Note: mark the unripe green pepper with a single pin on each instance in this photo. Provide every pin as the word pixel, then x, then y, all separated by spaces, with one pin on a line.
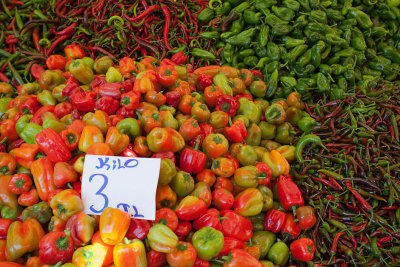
pixel 268 197
pixel 130 127
pixel 167 171
pixel 265 239
pixel 285 133
pixel 279 253
pixel 182 184
pixel 30 131
pixel 50 79
pixel 46 98
pixel 249 109
pixel 258 88
pixel 8 213
pixel 113 75
pixel 4 104
pixel 306 124
pixel 54 124
pixel 247 155
pixel 222 82
pixel 82 72
pixel 102 64
pixel 40 211
pixel 89 62
pixel 253 135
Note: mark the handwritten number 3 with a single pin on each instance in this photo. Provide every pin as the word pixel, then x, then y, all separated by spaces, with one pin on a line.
pixel 99 193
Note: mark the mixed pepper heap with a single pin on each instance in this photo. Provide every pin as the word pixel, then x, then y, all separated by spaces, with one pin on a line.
pixel 308 46
pixel 223 147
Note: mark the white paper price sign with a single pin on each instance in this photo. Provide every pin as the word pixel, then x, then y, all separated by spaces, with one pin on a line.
pixel 125 183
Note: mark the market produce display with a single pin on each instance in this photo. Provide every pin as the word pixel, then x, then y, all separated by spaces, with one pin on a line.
pixel 276 122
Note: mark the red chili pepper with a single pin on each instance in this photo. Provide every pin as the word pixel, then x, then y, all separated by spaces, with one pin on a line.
pixel 354 241
pixel 57 42
pixel 236 226
pixel 390 208
pixel 384 239
pixel 227 104
pixel 51 143
pixel 4 78
pixel 335 242
pixel 167 15
pixel 274 220
pixel 356 228
pixel 288 192
pixel 144 14
pixel 357 195
pixel 192 160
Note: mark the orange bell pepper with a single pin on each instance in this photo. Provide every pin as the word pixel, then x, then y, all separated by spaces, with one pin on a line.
pixel 165 197
pixel 99 118
pixel 114 224
pixel 78 126
pixel 149 120
pixel 189 129
pixel 215 145
pixel 276 162
pixel 143 84
pixel 23 237
pixel 33 262
pixel 63 174
pixel 3 248
pixel 25 154
pixel 6 196
pixel 96 239
pixel 209 70
pixel 130 253
pixel 56 224
pixel 100 149
pixel 149 62
pixel 70 138
pixel 43 175
pixel 7 129
pixel 66 203
pixel 89 256
pixel 186 104
pixel 7 164
pixel 117 141
pixel 90 135
pixel 165 140
pixel 140 147
pixel 127 67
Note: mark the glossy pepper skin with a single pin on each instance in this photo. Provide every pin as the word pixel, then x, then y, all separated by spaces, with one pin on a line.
pixel 23 238
pixel 183 255
pixel 227 104
pixel 114 224
pixel 208 242
pixel 56 247
pixel 241 258
pixel 52 145
pixel 130 253
pixel 162 239
pixel 192 160
pixel 302 249
pixel 43 175
pixel 7 198
pixel 90 135
pixel 276 162
pixel 164 140
pixel 288 192
pixel 236 226
pixel 274 220
pixel 63 174
pixel 190 208
pixel 89 256
pixel 66 203
pixel 40 211
pixel 82 228
pixel 237 132
pixel 117 141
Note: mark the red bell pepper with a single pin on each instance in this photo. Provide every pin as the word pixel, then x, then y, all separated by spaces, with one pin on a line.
pixel 201 263
pixel 230 243
pixel 63 109
pixel 192 160
pixel 241 258
pixel 56 247
pixel 173 98
pixel 138 229
pixel 227 104
pixel 248 96
pixel 209 219
pixel 31 104
pixel 63 174
pixel 43 175
pixel 183 229
pixel 51 143
pixel 302 249
pixel 111 89
pixel 37 117
pixel 288 192
pixel 4 225
pixel 165 155
pixel 36 71
pixel 107 104
pixel 156 259
pixel 179 58
pixel 237 132
pixel 257 75
pixel 264 171
pixel 274 220
pixel 190 208
pixel 236 226
pixel 203 81
pixel 83 101
pixel 291 228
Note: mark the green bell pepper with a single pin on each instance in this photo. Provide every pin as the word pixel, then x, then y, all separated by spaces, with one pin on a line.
pixel 279 253
pixel 208 242
pixel 30 131
pixel 306 124
pixel 249 109
pixel 182 184
pixel 40 211
pixel 247 155
pixel 253 135
pixel 8 213
pixel 268 197
pixel 285 133
pixel 130 127
pixel 22 122
pixel 4 104
pixel 82 72
pixel 268 130
pixel 54 124
pixel 222 82
pixel 265 239
pixel 46 98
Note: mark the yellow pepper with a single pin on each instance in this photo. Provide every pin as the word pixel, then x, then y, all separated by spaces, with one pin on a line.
pixel 276 162
pixel 89 256
pixel 99 118
pixel 130 253
pixel 90 135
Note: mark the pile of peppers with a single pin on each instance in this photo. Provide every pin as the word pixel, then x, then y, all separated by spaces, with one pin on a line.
pixel 308 46
pixel 224 197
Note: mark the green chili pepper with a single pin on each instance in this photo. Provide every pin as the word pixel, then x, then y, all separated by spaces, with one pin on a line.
pixel 305 140
pixel 222 82
pixel 204 54
pixel 272 84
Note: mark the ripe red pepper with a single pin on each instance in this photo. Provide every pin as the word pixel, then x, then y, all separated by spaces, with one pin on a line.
pixel 165 155
pixel 71 89
pixel 302 249
pixel 56 247
pixel 179 58
pixel 240 257
pixel 63 109
pixel 156 259
pixel 83 101
pixel 113 90
pixel 98 81
pixel 236 226
pixel 237 132
pixel 205 129
pixel 203 81
pixel 230 243
pixel 227 104
pixel 291 228
pixel 37 117
pixel 264 171
pixel 288 192
pixel 51 143
pixel 36 71
pixel 31 104
pixel 138 229
pixel 107 104
pixel 257 75
pixel 209 219
pixel 173 98
pixel 274 220
pixel 4 225
pixel 192 160
pixel 183 229
pixel 201 263
pixel 248 96
pixel 20 183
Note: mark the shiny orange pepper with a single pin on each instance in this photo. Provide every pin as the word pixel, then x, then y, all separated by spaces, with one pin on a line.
pixel 70 138
pixel 78 126
pixel 215 145
pixel 143 85
pixel 73 51
pixel 25 154
pixel 140 147
pixel 165 197
pixel 43 174
pixel 33 262
pixel 186 104
pixel 206 176
pixel 7 129
pixel 189 129
pixel 127 67
pixel 155 98
pixel 183 88
pixel 90 135
pixel 114 224
pixel 66 203
pixel 6 196
pixel 149 62
pixel 200 112
pixel 223 167
pixel 99 118
pixel 56 224
pixel 96 239
pixel 7 164
pixel 130 253
pixel 117 141
pixel 150 119
pixel 100 149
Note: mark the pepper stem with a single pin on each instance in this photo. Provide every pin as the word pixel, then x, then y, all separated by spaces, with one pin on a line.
pixel 62 242
pixel 197 143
